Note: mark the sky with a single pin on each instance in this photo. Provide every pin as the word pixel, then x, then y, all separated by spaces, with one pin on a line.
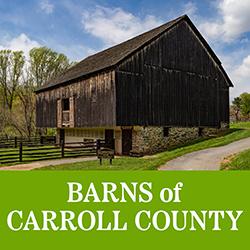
pixel 79 28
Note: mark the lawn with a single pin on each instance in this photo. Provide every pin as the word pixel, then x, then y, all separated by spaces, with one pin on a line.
pixel 244 125
pixel 240 161
pixel 238 131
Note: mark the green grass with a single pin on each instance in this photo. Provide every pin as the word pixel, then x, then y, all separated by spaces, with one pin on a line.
pixel 239 162
pixel 244 125
pixel 237 132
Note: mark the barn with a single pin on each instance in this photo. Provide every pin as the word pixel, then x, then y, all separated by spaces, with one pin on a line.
pixel 162 88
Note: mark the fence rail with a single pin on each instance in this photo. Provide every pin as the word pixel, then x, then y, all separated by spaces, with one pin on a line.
pixel 28 153
pixel 13 142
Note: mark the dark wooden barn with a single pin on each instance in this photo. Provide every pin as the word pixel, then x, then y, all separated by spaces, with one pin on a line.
pixel 142 92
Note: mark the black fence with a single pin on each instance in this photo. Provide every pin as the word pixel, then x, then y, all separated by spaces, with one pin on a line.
pixel 29 153
pixel 13 142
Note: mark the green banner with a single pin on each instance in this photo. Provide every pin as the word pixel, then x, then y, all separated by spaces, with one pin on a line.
pixel 124 210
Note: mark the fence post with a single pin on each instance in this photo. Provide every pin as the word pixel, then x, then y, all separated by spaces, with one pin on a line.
pixel 62 148
pixel 98 145
pixel 15 142
pixel 21 152
pixel 41 140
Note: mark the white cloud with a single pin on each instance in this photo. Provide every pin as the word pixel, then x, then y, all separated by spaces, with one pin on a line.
pixel 229 24
pixel 241 77
pixel 46 6
pixel 114 25
pixel 232 21
pixel 75 52
pixel 21 42
pixel 243 70
pixel 189 8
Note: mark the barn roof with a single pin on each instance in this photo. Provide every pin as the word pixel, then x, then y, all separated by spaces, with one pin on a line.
pixel 109 58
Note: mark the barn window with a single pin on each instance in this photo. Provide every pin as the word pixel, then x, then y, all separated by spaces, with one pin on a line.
pixel 165 131
pixel 65 112
pixel 65 104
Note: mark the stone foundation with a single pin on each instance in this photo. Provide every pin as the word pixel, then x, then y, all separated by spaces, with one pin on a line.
pixel 145 140
pixel 150 140
pixel 214 131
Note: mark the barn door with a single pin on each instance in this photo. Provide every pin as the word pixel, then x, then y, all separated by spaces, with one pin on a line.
pixel 126 141
pixel 109 138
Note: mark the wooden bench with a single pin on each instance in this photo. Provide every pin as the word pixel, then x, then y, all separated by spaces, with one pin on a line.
pixel 105 153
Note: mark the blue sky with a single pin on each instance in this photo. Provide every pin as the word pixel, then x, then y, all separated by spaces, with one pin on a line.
pixel 80 28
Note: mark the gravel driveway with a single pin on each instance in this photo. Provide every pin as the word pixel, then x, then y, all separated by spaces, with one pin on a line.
pixel 207 159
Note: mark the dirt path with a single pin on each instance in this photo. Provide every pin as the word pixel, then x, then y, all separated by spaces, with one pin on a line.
pixel 207 159
pixel 40 164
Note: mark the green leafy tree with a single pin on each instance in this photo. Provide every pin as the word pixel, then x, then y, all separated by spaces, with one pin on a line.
pixel 1 110
pixel 11 68
pixel 236 107
pixel 46 64
pixel 25 93
pixel 245 104
pixel 18 80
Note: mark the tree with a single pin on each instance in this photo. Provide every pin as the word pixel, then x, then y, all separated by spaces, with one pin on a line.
pixel 236 107
pixel 245 104
pixel 11 66
pixel 27 100
pixel 1 110
pixel 18 80
pixel 46 64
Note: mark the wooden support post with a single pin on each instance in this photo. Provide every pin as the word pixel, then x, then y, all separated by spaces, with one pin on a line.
pixel 15 142
pixel 200 132
pixel 41 140
pixel 98 145
pixel 21 152
pixel 62 148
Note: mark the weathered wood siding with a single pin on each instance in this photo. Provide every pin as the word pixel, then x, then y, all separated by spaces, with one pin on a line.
pixel 72 112
pixel 172 82
pixel 59 113
pixel 93 100
pixel 46 110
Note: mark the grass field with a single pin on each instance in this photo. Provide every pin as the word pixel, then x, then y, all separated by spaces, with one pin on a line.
pixel 238 131
pixel 239 162
pixel 243 125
